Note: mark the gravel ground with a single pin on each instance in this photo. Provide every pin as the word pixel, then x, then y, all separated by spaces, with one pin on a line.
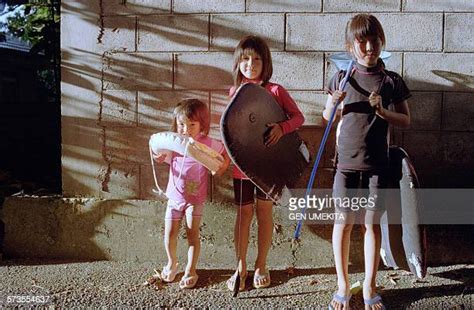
pixel 118 284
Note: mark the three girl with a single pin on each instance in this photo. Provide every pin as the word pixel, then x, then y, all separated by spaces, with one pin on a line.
pixel 362 148
pixel 253 64
pixel 187 189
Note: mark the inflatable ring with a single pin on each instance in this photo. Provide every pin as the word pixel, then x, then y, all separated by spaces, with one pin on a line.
pixel 342 59
pixel 169 142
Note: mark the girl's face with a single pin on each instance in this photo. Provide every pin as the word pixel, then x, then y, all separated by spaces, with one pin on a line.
pixel 251 66
pixel 188 127
pixel 367 51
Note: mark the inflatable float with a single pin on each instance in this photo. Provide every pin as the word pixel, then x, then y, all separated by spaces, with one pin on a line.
pixel 169 142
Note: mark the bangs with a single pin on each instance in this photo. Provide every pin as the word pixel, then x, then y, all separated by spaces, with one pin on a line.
pixel 252 45
pixel 194 110
pixel 249 51
pixel 363 26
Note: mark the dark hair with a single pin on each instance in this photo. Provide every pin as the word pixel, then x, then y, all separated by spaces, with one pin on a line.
pixel 195 110
pixel 247 45
pixel 362 26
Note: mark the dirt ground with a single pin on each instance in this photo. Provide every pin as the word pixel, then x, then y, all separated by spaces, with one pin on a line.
pixel 115 284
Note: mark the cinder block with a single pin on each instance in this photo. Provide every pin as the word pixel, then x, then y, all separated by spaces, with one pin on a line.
pixel 120 181
pixel 459 33
pixel 210 71
pixel 70 22
pixel 283 6
pixel 425 110
pixel 147 181
pixel 138 71
pixel 425 149
pixel 173 33
pixel 80 94
pixel 228 29
pixel 155 108
pixel 316 32
pixel 118 34
pixel 439 72
pixel 223 187
pixel 325 32
pixel 219 102
pixel 298 70
pixel 455 149
pixel 361 6
pixel 402 35
pixel 311 104
pixel 394 63
pixel 208 6
pixel 119 108
pixel 81 156
pixel 123 146
pixel 132 7
pixel 458 112
pixel 438 5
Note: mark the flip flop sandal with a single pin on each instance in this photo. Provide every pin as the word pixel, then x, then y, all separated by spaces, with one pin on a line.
pixel 340 299
pixel 188 281
pixel 231 282
pixel 168 275
pixel 375 300
pixel 257 279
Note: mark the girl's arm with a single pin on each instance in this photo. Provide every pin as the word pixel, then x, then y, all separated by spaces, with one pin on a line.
pixel 295 117
pixel 331 103
pixel 225 164
pixel 399 118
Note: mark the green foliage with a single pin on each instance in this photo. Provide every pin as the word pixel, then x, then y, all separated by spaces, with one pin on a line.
pixel 38 23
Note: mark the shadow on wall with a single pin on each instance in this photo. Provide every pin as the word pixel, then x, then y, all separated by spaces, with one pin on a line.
pixel 123 145
pixel 77 229
pixel 457 78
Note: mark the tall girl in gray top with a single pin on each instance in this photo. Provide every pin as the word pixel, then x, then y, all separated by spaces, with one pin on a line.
pixel 362 149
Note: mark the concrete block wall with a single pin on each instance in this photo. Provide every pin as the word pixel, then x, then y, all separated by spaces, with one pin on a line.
pixel 127 63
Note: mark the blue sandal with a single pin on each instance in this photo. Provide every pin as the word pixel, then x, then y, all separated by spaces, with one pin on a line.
pixel 375 300
pixel 340 299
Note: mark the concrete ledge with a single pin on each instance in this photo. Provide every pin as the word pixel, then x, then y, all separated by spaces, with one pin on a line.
pixel 132 231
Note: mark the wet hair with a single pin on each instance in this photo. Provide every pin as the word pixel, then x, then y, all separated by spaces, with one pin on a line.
pixel 362 26
pixel 247 45
pixel 195 110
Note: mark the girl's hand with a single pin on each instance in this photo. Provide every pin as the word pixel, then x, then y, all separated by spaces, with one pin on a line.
pixel 225 164
pixel 338 95
pixel 274 135
pixel 375 101
pixel 159 158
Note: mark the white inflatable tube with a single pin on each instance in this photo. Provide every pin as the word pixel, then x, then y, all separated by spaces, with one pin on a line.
pixel 168 142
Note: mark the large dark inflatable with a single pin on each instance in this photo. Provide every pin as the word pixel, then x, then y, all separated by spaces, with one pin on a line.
pixel 244 126
pixel 403 237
